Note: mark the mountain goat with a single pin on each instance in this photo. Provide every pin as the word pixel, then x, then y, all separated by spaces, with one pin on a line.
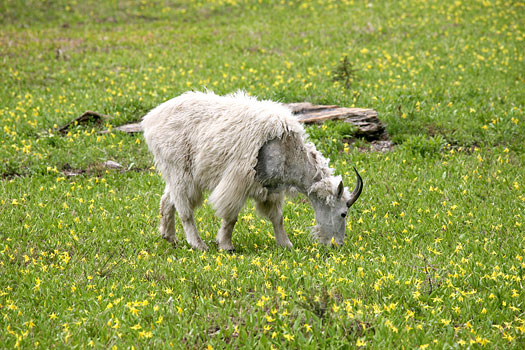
pixel 238 147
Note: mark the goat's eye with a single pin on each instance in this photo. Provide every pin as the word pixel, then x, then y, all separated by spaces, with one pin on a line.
pixel 343 215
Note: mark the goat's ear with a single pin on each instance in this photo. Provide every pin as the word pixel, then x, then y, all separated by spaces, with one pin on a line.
pixel 340 190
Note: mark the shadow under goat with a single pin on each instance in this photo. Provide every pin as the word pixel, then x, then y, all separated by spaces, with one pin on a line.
pixel 238 147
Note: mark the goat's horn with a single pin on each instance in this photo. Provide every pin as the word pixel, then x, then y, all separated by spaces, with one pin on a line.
pixel 357 190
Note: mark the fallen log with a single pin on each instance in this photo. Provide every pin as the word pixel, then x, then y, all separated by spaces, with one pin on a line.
pixel 368 124
pixel 88 116
pixel 129 128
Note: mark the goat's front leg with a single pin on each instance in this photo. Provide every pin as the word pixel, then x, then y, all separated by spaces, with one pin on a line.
pixel 224 236
pixel 280 234
pixel 272 208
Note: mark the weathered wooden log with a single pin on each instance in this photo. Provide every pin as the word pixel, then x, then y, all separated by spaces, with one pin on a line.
pixel 368 124
pixel 130 128
pixel 84 118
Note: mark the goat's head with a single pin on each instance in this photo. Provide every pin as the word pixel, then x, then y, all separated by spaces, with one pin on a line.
pixel 331 201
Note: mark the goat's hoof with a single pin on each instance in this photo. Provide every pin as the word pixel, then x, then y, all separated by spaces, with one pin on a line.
pixel 287 245
pixel 170 239
pixel 201 246
pixel 230 249
pixel 226 246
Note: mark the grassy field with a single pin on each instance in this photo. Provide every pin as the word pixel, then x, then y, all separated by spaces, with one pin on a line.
pixel 434 256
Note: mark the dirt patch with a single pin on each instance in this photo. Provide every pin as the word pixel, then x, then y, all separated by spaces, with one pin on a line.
pixel 378 146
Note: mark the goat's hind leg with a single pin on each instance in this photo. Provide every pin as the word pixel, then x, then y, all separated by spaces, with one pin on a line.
pixel 185 205
pixel 192 235
pixel 167 218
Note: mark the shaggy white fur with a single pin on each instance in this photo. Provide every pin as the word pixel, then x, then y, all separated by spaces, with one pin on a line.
pixel 202 141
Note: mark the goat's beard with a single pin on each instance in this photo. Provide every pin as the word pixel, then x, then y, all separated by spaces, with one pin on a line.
pixel 320 235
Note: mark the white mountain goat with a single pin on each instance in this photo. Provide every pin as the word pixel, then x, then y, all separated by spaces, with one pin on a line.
pixel 238 147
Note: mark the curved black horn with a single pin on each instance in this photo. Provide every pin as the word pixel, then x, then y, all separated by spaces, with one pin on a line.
pixel 357 190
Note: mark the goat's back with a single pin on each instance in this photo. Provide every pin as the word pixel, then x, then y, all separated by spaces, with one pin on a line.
pixel 213 140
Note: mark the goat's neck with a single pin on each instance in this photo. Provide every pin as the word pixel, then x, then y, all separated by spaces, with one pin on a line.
pixel 302 174
pixel 288 162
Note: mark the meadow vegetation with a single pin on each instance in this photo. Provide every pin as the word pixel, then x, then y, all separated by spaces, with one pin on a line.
pixel 435 246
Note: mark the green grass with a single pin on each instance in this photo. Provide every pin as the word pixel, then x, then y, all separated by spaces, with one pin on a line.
pixel 434 255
